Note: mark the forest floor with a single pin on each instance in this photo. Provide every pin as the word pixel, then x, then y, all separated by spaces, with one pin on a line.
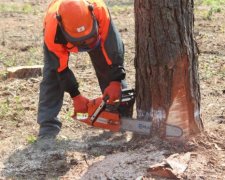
pixel 83 152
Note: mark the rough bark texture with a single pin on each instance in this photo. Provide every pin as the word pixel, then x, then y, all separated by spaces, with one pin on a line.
pixel 167 83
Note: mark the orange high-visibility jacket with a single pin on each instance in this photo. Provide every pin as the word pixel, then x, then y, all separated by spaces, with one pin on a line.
pixel 111 46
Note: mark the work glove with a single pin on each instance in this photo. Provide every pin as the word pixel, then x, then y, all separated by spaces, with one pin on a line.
pixel 113 91
pixel 80 104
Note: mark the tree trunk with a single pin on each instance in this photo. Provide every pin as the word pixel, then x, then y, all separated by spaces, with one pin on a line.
pixel 166 62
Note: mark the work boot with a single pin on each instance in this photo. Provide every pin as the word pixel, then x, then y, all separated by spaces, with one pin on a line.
pixel 45 143
pixel 46 139
pixel 48 132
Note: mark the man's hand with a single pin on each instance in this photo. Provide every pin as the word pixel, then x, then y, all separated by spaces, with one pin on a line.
pixel 80 104
pixel 113 91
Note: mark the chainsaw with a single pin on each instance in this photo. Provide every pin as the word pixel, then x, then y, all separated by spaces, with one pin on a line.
pixel 118 117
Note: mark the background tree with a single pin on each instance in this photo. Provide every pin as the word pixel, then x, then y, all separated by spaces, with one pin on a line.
pixel 166 62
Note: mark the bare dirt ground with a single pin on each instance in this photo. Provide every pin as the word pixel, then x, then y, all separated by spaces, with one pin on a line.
pixel 83 152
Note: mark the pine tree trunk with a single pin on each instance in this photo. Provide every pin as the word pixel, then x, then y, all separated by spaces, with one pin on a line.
pixel 166 62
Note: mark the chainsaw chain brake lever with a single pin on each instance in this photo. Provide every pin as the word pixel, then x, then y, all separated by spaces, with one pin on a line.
pixel 99 110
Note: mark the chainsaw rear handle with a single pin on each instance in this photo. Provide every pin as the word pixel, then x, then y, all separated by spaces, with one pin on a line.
pixel 99 110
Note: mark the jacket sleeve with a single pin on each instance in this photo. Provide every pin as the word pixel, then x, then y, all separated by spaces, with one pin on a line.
pixel 111 43
pixel 65 78
pixel 114 48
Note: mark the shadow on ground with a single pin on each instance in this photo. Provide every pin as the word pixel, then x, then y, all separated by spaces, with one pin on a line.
pixel 48 159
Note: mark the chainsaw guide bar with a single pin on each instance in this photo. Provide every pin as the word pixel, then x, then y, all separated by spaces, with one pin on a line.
pixel 110 117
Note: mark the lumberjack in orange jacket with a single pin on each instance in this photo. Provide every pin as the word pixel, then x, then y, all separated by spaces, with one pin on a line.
pixel 72 26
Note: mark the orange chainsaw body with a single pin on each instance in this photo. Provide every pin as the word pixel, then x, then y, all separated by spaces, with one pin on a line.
pixel 108 116
pixel 106 119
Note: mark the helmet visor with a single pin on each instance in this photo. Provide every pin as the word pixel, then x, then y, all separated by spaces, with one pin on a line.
pixel 73 40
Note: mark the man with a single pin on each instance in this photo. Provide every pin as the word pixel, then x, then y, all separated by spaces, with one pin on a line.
pixel 72 26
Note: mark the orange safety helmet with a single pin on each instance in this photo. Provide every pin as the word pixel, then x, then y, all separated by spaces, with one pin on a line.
pixel 77 20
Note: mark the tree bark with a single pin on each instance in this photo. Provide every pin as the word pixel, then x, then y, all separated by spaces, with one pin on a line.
pixel 166 62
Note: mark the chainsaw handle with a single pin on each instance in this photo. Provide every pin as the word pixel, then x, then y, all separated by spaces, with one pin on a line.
pixel 99 110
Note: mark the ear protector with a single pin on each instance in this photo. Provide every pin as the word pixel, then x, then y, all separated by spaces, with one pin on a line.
pixel 59 18
pixel 91 8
